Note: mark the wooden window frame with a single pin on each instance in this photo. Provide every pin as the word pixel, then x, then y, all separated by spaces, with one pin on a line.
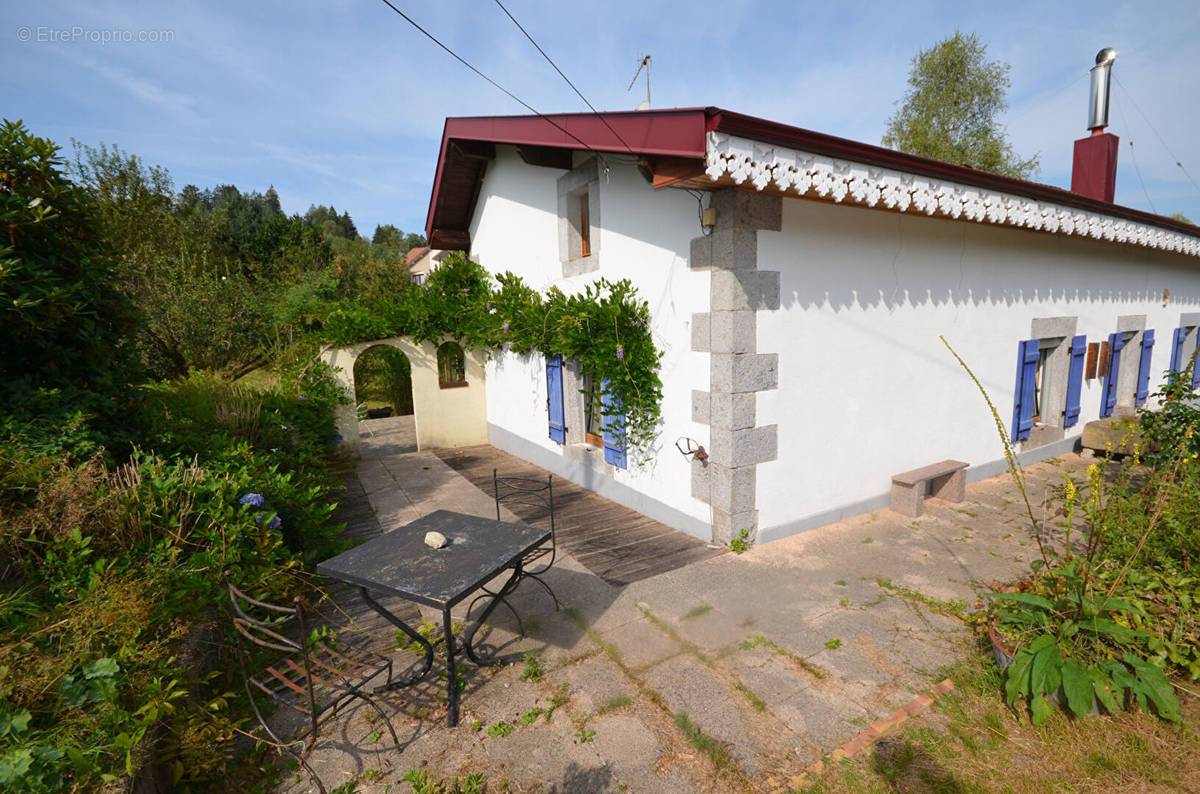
pixel 593 412
pixel 585 225
pixel 442 369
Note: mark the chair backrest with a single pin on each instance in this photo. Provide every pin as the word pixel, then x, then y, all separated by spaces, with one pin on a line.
pixel 263 625
pixel 536 495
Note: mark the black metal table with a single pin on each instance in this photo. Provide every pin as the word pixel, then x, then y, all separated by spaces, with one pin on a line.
pixel 399 563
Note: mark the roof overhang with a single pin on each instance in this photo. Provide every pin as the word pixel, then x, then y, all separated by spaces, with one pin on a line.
pixel 708 148
pixel 468 143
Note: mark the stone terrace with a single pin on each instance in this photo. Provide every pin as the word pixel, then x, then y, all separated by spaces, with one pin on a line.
pixel 732 673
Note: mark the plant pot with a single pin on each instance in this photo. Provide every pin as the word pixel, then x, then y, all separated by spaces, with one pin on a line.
pixel 1004 657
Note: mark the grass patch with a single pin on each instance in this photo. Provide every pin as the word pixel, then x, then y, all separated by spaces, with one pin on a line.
pixel 954 608
pixel 973 743
pixel 697 611
pixel 613 704
pixel 715 749
pixel 833 644
pixel 758 703
pixel 759 641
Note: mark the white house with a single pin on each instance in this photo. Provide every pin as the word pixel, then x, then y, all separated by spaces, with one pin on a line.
pixel 801 324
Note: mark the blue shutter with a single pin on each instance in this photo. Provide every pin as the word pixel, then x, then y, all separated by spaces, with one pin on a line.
pixel 1027 360
pixel 614 427
pixel 554 399
pixel 1115 343
pixel 1075 380
pixel 1143 384
pixel 1196 366
pixel 1177 352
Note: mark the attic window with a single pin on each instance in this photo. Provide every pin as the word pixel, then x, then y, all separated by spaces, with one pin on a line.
pixel 585 227
pixel 579 219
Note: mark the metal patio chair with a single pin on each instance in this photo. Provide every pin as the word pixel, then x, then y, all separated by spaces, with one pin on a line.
pixel 312 678
pixel 538 495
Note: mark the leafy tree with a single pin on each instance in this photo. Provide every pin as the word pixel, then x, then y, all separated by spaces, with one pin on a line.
pixel 327 220
pixel 1179 216
pixel 386 234
pixel 949 112
pixel 64 319
pixel 271 199
pixel 207 268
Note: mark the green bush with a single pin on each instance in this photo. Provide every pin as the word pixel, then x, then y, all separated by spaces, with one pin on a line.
pixel 1101 621
pixel 114 571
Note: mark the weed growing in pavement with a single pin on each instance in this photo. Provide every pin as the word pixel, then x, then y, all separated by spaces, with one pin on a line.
pixel 533 667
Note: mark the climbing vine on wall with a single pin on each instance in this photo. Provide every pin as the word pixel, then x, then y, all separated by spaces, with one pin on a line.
pixel 606 327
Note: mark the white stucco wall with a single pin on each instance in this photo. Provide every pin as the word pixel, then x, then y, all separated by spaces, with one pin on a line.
pixel 867 390
pixel 444 418
pixel 642 235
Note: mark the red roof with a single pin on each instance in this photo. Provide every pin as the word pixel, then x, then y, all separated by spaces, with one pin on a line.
pixel 414 254
pixel 672 142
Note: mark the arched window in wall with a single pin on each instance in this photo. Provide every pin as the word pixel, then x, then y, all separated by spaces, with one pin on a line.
pixel 452 366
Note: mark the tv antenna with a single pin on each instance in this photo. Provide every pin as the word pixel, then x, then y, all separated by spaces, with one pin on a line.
pixel 644 63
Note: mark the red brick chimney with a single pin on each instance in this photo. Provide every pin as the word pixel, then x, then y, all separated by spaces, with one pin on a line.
pixel 1094 171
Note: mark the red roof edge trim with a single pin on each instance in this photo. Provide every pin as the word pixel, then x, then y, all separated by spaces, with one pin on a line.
pixel 437 182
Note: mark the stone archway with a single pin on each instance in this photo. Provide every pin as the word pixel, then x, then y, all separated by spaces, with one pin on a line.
pixel 455 417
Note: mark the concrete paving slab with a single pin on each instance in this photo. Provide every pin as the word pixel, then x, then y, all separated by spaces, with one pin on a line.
pixel 630 747
pixel 641 644
pixel 592 684
pixel 547 758
pixel 687 687
pixel 822 719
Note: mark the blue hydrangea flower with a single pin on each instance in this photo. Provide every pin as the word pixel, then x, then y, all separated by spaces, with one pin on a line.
pixel 252 499
pixel 274 523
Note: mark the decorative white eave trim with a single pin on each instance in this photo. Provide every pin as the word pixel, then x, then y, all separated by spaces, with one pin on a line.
pixel 843 181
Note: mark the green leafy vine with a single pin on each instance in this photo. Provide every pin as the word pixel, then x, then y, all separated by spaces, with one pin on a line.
pixel 605 327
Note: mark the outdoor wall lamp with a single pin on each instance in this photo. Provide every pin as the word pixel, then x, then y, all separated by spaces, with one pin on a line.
pixel 691 447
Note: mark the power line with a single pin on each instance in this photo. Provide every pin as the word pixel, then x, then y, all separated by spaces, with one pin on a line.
pixel 1138 108
pixel 511 95
pixel 563 76
pixel 1138 171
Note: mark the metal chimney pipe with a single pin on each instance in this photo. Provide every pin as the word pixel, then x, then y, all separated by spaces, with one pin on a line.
pixel 1101 87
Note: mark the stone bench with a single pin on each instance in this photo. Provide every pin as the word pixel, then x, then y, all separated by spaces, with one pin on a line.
pixel 946 480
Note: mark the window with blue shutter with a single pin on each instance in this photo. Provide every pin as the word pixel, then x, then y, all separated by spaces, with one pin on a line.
pixel 614 427
pixel 1075 380
pixel 1196 368
pixel 1177 351
pixel 1109 401
pixel 1143 382
pixel 1024 397
pixel 554 399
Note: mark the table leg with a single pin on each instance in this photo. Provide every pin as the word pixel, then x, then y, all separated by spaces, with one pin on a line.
pixel 469 637
pixel 413 635
pixel 451 678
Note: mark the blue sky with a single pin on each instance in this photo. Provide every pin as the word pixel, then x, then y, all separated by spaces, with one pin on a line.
pixel 341 102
